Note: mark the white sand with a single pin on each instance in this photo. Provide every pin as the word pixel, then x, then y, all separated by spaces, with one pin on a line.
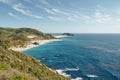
pixel 31 45
pixel 60 36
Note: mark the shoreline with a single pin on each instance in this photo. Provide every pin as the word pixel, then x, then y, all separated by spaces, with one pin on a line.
pixel 40 42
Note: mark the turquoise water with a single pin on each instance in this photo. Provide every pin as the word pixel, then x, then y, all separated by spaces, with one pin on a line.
pixel 83 56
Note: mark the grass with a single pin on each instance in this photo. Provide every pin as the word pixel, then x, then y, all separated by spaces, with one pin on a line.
pixel 3 66
pixel 18 66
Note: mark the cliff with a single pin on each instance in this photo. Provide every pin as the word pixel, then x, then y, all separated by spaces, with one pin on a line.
pixel 18 66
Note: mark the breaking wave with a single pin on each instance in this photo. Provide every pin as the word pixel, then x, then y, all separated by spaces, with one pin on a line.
pixel 62 72
pixel 92 76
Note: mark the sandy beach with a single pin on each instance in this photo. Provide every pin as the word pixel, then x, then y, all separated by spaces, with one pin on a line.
pixel 40 42
pixel 60 36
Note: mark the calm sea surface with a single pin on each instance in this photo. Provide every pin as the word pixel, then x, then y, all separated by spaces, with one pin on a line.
pixel 83 56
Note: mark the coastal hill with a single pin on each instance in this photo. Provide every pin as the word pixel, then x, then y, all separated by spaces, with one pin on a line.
pixel 18 66
pixel 68 34
pixel 20 37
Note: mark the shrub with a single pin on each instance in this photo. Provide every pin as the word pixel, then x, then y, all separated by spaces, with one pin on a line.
pixel 3 66
pixel 19 77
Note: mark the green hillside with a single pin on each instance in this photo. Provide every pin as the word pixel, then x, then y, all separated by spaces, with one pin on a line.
pixel 18 66
pixel 18 37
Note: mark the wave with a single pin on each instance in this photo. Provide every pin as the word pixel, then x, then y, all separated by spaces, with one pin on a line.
pixel 92 76
pixel 58 40
pixel 72 69
pixel 104 49
pixel 62 72
pixel 78 78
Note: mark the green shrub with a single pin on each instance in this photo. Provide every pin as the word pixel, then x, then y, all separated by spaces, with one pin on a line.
pixel 19 77
pixel 3 66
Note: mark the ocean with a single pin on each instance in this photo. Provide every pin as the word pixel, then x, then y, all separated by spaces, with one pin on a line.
pixel 82 56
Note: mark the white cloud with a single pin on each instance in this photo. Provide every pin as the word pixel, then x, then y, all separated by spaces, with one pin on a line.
pixel 8 2
pixel 87 19
pixel 98 16
pixel 54 18
pixel 19 8
pixel 59 11
pixel 11 14
pixel 50 11
pixel 62 14
pixel 118 19
pixel 44 2
pixel 73 18
pixel 102 18
pixel 5 1
pixel 58 2
pixel 54 11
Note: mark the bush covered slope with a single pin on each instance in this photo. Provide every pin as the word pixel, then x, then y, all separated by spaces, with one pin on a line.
pixel 18 37
pixel 17 66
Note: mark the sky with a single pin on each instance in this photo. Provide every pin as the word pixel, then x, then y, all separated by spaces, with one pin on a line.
pixel 58 16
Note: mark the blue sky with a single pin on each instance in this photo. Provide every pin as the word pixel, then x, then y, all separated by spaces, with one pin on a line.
pixel 76 16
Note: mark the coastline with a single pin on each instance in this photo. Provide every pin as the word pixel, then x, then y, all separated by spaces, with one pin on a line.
pixel 40 42
pixel 60 36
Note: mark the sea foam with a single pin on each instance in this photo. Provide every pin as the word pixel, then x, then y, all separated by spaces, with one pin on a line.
pixel 92 76
pixel 78 78
pixel 72 69
pixel 62 72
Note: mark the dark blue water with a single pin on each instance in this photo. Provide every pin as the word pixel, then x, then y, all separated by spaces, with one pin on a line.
pixel 86 56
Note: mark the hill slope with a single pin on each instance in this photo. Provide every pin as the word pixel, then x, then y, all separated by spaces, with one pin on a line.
pixel 19 37
pixel 17 66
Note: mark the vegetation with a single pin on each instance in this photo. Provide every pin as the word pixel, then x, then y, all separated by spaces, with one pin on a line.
pixel 18 37
pixel 68 34
pixel 17 66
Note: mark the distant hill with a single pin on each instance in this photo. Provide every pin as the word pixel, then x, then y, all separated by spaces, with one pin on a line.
pixel 18 66
pixel 19 37
pixel 68 34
